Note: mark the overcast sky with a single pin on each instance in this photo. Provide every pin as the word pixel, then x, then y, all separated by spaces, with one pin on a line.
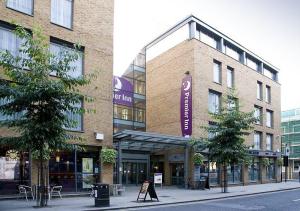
pixel 269 28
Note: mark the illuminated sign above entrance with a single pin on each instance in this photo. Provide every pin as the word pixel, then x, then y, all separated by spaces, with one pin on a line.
pixel 186 106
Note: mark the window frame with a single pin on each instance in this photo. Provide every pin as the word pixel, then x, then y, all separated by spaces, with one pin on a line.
pixel 271 118
pixel 81 121
pixel 16 10
pixel 219 101
pixel 268 94
pixel 260 109
pixel 259 88
pixel 230 71
pixel 72 16
pixel 254 140
pixel 271 141
pixel 69 45
pixel 219 64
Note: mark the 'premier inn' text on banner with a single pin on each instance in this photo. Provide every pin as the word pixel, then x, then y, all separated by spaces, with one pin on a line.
pixel 123 92
pixel 186 106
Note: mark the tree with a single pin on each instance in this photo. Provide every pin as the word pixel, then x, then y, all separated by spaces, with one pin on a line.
pixel 227 144
pixel 39 100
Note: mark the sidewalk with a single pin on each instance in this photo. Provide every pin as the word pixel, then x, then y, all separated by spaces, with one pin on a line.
pixel 166 195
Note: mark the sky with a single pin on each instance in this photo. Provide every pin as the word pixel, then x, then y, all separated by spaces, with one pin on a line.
pixel 269 28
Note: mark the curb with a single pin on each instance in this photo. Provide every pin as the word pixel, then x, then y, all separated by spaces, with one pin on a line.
pixel 190 201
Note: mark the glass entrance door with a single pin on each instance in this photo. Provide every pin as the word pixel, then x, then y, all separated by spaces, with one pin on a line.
pixel 177 173
pixel 134 173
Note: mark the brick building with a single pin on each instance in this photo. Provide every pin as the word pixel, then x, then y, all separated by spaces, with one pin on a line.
pixel 66 22
pixel 215 64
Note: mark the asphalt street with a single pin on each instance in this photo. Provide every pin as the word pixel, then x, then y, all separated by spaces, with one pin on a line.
pixel 277 201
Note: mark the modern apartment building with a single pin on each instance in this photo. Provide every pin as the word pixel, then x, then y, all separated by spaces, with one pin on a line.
pixel 188 69
pixel 66 22
pixel 290 129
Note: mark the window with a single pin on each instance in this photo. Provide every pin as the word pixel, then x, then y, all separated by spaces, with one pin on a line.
pixel 139 87
pixel 76 66
pixel 230 51
pixel 258 114
pixel 208 39
pixel 269 141
pixel 61 12
pixel 217 72
pixel 211 134
pixel 230 77
pixel 259 94
pixel 15 116
pixel 214 102
pixel 252 64
pixel 25 6
pixel 269 73
pixel 9 41
pixel 269 118
pixel 75 117
pixel 231 103
pixel 125 114
pixel 268 94
pixel 257 140
pixel 139 115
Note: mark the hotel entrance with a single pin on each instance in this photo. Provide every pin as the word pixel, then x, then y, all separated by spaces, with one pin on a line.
pixel 135 148
pixel 177 174
pixel 134 173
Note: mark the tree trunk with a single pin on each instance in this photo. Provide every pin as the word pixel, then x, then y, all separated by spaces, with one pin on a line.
pixel 225 184
pixel 42 185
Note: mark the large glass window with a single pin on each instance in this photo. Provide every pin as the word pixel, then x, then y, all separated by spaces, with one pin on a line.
pixel 269 118
pixel 259 92
pixel 75 118
pixel 268 94
pixel 257 140
pixel 76 66
pixel 270 74
pixel 217 72
pixel 122 112
pixel 258 114
pixel 234 174
pixel 61 12
pixel 139 115
pixel 140 60
pixel 25 6
pixel 269 142
pixel 230 77
pixel 3 117
pixel 270 169
pixel 214 102
pixel 211 134
pixel 139 87
pixel 253 170
pixel 14 170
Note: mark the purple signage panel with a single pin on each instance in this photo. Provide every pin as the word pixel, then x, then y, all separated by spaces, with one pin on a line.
pixel 186 106
pixel 123 92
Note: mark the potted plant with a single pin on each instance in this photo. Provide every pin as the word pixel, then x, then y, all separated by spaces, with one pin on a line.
pixel 198 159
pixel 108 155
pixel 279 162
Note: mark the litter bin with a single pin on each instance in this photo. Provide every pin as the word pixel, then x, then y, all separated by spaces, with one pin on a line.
pixel 101 195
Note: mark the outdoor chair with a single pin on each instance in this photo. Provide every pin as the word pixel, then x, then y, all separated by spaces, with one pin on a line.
pixel 55 190
pixel 25 190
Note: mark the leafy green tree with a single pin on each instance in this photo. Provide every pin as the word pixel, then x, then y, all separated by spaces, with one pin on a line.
pixel 36 102
pixel 227 143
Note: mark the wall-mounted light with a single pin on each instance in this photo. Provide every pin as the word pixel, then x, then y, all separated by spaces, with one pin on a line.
pixel 57 158
pixel 99 136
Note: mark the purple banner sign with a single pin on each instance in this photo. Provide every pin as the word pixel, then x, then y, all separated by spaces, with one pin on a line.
pixel 123 92
pixel 186 106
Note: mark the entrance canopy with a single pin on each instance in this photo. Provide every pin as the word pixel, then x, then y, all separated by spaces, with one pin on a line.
pixel 145 141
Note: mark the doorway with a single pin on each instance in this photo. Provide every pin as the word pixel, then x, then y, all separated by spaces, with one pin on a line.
pixel 134 173
pixel 177 174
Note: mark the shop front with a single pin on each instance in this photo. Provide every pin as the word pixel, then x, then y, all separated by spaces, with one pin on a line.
pixel 14 170
pixel 75 170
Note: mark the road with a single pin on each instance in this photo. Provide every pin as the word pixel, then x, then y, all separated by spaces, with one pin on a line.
pixel 277 201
